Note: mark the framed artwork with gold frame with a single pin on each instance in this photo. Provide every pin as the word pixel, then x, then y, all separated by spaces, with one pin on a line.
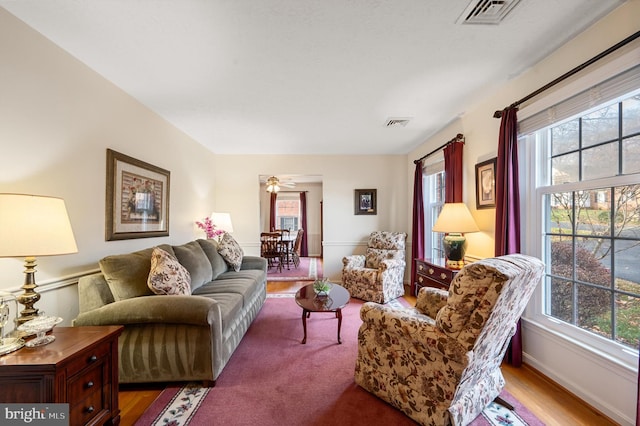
pixel 486 184
pixel 137 198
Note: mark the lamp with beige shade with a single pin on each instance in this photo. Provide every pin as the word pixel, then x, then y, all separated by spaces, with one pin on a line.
pixel 455 220
pixel 30 226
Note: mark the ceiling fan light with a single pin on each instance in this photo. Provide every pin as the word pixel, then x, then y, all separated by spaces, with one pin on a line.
pixel 273 184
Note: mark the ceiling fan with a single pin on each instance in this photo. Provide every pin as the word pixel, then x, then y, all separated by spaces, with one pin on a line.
pixel 274 184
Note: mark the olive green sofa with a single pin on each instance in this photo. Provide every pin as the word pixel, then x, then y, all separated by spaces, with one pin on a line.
pixel 170 338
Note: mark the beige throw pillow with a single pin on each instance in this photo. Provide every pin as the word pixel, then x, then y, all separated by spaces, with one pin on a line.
pixel 230 251
pixel 167 275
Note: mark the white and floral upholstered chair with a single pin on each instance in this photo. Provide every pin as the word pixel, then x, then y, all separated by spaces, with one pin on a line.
pixel 440 362
pixel 377 276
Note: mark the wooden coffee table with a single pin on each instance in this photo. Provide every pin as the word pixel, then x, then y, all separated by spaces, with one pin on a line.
pixel 307 299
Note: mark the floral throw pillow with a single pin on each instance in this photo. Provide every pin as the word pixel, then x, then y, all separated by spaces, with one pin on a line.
pixel 167 275
pixel 230 251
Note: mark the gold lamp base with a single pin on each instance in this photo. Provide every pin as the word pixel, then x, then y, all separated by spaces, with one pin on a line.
pixel 30 296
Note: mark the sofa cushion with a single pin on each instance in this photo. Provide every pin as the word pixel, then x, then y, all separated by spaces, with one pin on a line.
pixel 127 274
pixel 245 283
pixel 231 251
pixel 192 257
pixel 167 275
pixel 218 265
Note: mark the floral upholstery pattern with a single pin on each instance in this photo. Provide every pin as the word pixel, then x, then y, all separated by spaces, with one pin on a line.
pixel 439 362
pixel 167 275
pixel 230 251
pixel 377 276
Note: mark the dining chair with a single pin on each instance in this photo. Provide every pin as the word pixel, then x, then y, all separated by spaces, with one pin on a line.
pixel 295 251
pixel 271 249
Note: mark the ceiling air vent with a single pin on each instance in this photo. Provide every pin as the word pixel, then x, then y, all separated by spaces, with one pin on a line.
pixel 486 12
pixel 397 122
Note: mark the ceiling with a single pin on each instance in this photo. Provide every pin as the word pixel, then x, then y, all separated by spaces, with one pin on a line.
pixel 306 76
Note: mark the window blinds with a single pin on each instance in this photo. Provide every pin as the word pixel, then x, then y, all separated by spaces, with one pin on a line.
pixel 608 90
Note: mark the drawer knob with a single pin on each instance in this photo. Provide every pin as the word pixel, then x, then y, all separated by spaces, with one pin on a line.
pixel 431 271
pixel 420 267
pixel 443 276
pixel 93 358
pixel 90 409
pixel 90 385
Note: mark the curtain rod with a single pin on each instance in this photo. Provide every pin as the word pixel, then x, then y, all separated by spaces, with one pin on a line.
pixel 297 192
pixel 459 138
pixel 498 114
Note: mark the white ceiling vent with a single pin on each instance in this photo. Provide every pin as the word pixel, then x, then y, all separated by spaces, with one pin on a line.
pixel 397 121
pixel 486 12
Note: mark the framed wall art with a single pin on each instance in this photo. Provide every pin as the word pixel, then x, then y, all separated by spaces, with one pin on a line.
pixel 137 204
pixel 486 184
pixel 365 201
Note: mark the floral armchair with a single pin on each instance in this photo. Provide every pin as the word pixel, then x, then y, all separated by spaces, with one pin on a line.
pixel 440 362
pixel 377 276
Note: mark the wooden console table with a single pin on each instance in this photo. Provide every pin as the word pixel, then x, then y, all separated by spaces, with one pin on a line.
pixel 79 368
pixel 433 273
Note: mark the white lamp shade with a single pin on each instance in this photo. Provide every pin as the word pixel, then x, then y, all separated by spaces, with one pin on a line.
pixel 222 221
pixel 455 217
pixel 33 225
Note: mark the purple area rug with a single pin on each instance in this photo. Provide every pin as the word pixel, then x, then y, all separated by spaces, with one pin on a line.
pixel 273 379
pixel 310 269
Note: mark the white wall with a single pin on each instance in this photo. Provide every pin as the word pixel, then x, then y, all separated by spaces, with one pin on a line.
pixel 238 192
pixel 609 387
pixel 57 118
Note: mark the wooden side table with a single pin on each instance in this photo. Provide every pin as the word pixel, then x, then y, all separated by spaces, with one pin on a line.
pixel 79 368
pixel 433 273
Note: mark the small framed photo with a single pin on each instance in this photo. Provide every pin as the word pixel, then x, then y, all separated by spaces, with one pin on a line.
pixel 365 201
pixel 137 204
pixel 486 184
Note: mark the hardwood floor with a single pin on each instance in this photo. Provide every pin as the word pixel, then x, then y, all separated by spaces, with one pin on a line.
pixel 548 401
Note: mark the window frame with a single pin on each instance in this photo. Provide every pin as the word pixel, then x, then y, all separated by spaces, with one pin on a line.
pixel 431 208
pixel 537 156
pixel 278 217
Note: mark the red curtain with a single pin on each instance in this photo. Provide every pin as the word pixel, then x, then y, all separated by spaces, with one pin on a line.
pixel 272 211
pixel 417 232
pixel 453 172
pixel 304 249
pixel 507 235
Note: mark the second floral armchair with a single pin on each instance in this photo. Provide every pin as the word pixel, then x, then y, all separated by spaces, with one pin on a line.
pixel 377 276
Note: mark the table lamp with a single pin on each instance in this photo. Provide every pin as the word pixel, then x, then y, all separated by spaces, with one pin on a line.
pixel 33 225
pixel 454 220
pixel 222 221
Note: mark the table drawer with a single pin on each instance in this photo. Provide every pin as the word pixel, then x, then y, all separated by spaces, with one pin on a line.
pixel 88 358
pixel 84 411
pixel 432 275
pixel 88 382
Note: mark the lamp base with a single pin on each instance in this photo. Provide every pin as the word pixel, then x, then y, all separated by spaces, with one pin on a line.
pixel 455 246
pixel 30 296
pixel 455 264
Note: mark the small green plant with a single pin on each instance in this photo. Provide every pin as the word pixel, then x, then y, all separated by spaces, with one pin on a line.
pixel 322 286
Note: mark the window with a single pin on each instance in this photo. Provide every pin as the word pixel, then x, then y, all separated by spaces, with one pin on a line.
pixel 288 214
pixel 588 192
pixel 433 194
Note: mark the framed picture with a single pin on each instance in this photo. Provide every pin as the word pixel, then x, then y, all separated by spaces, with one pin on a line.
pixel 365 201
pixel 137 204
pixel 486 184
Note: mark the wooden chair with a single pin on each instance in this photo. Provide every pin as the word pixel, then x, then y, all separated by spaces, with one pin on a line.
pixel 295 252
pixel 271 249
